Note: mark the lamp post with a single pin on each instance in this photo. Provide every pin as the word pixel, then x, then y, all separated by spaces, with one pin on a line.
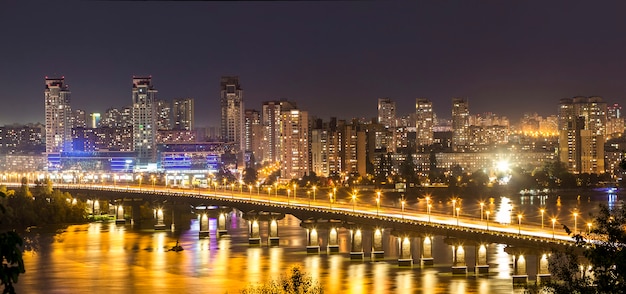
pixel 542 211
pixel 269 195
pixel 250 188
pixel 457 215
pixel 153 180
pixel 403 202
pixel 589 226
pixel 288 195
pixel 295 193
pixel 314 188
pixel 519 223
pixel 482 205
pixel 575 221
pixel 453 206
pixel 377 203
pixel 553 223
pixel 429 207
pixel 488 212
pixel 308 195
pixel 330 198
pixel 353 201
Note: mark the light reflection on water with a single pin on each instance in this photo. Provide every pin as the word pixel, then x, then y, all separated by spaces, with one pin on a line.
pixel 98 258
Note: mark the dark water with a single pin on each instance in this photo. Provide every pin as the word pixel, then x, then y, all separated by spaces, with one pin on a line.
pixel 109 258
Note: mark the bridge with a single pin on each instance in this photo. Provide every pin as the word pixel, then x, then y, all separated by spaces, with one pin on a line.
pixel 328 215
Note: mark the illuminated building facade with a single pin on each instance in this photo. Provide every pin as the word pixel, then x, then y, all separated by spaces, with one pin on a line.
pixel 58 115
pixel 144 118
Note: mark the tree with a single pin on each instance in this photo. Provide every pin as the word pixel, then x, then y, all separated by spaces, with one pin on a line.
pixel 11 251
pixel 606 255
pixel 250 175
pixel 407 170
pixel 297 282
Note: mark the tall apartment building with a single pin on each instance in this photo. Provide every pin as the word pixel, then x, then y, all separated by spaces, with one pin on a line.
pixel 460 123
pixel 163 115
pixel 78 118
pixel 117 118
pixel 231 103
pixel 253 134
pixel 182 114
pixel 58 115
pixel 271 120
pixel 294 150
pixel 614 121
pixel 582 125
pixel 144 119
pixel 387 112
pixel 424 121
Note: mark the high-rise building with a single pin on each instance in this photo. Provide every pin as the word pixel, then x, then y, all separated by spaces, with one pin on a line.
pixel 144 118
pixel 460 123
pixel 614 121
pixel 163 113
pixel 253 133
pixel 295 143
pixel 582 125
pixel 271 121
pixel 386 112
pixel 94 121
pixel 116 118
pixel 58 113
pixel 231 103
pixel 78 118
pixel 182 114
pixel 424 121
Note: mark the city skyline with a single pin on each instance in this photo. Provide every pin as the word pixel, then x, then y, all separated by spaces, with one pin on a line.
pixel 333 59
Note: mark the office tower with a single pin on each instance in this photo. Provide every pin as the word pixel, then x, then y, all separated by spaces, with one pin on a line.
pixel 460 123
pixel 231 102
pixel 58 112
pixel 386 112
pixel 253 133
pixel 78 118
pixel 582 124
pixel 295 143
pixel 424 121
pixel 614 121
pixel 163 115
pixel 144 119
pixel 182 114
pixel 94 120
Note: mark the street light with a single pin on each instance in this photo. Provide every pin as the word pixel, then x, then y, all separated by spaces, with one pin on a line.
pixel 553 223
pixel 403 202
pixel 377 203
pixel 575 221
pixel 314 187
pixel 488 212
pixel 269 196
pixel 542 211
pixel 330 198
pixel 457 215
pixel 295 193
pixel 519 223
pixel 482 205
pixel 353 201
pixel 589 226
pixel 429 206
pixel 453 206
pixel 153 180
pixel 288 194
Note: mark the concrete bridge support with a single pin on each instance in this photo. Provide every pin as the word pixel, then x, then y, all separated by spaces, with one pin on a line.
pixel 204 225
pixel 482 267
pixel 459 267
pixel 377 244
pixel 221 224
pixel 543 274
pixel 333 239
pixel 520 276
pixel 356 244
pixel 135 212
pixel 119 214
pixel 254 235
pixel 426 251
pixel 273 238
pixel 158 217
pixel 312 241
pixel 404 253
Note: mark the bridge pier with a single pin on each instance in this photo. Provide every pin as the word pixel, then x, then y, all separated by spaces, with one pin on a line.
pixel 543 274
pixel 312 241
pixel 482 267
pixel 119 214
pixel 378 251
pixel 333 240
pixel 158 216
pixel 204 225
pixel 221 224
pixel 520 276
pixel 426 251
pixel 273 239
pixel 356 247
pixel 135 212
pixel 254 236
pixel 404 253
pixel 459 267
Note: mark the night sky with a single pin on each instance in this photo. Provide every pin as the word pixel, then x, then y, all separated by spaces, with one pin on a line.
pixel 332 58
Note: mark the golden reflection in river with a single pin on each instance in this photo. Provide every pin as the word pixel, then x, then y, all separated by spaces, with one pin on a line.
pixel 503 260
pixel 253 266
pixel 335 273
pixel 355 280
pixel 380 277
pixel 159 261
pixel 429 281
pixel 404 281
pixel 276 262
pixel 458 285
pixel 312 263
